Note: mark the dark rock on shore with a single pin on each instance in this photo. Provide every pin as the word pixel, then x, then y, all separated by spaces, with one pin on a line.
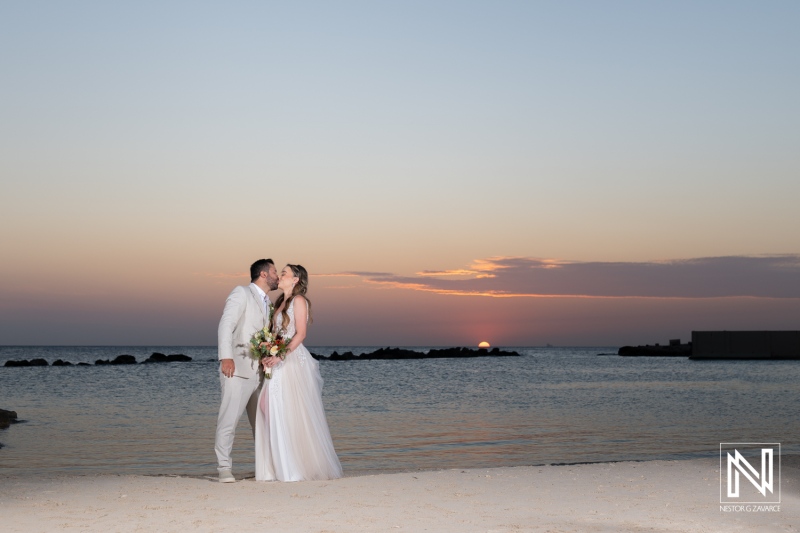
pixel 119 360
pixel 672 350
pixel 402 353
pixel 468 352
pixel 173 358
pixel 59 362
pixel 25 362
pixel 381 353
pixel 83 364
pixel 394 353
pixel 7 418
pixel 346 356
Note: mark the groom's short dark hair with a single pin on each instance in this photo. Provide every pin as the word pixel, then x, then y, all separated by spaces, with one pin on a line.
pixel 262 265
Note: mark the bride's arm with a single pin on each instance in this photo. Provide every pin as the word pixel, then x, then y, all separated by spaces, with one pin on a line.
pixel 300 322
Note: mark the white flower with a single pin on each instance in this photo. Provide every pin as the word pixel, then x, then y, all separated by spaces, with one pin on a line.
pixel 274 350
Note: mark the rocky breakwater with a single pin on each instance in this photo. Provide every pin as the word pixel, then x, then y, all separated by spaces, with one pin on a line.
pixel 172 358
pixel 671 350
pixel 156 357
pixel 118 360
pixel 25 362
pixel 402 353
pixel 124 359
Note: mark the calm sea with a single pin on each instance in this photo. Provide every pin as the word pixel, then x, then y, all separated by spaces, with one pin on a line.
pixel 552 405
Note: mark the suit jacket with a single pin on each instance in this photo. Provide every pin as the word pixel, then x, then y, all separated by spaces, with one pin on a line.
pixel 242 317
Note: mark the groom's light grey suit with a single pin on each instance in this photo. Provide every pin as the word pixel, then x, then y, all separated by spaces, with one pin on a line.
pixel 244 314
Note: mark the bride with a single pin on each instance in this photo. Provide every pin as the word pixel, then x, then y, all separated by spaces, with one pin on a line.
pixel 293 442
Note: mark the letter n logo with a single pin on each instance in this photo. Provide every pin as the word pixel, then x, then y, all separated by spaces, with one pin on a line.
pixel 738 466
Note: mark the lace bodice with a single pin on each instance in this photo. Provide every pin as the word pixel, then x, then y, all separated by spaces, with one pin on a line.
pixel 300 354
pixel 278 320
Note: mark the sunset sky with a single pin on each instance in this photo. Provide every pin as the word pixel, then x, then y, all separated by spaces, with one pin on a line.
pixel 574 173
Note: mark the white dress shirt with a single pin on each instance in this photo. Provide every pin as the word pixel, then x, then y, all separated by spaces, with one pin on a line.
pixel 263 298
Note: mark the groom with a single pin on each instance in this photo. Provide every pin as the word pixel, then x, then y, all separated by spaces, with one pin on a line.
pixel 246 311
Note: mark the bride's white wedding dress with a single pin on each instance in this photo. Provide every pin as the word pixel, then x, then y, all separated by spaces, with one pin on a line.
pixel 293 442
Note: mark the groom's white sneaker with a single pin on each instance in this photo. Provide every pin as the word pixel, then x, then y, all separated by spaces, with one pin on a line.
pixel 225 476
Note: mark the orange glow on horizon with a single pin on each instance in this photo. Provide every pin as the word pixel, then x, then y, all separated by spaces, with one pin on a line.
pixel 484 344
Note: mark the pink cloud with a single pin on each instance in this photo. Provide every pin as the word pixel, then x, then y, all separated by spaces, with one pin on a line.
pixel 775 276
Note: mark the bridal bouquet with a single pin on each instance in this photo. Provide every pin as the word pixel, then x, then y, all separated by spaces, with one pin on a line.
pixel 264 344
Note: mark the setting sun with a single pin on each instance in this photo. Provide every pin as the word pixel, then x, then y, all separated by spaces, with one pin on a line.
pixel 484 344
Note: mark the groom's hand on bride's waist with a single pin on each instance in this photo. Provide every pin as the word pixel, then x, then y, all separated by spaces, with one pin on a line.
pixel 227 367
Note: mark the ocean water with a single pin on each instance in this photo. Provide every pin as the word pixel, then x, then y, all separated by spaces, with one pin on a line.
pixel 551 405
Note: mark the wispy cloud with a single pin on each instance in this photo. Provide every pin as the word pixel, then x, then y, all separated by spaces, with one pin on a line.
pixel 355 273
pixel 224 275
pixel 776 276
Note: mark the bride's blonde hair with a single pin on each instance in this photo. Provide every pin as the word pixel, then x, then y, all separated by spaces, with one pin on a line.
pixel 300 289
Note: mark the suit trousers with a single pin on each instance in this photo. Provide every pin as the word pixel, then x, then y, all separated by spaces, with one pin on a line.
pixel 238 395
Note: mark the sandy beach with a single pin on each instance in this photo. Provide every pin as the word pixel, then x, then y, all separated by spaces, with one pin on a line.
pixel 626 496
